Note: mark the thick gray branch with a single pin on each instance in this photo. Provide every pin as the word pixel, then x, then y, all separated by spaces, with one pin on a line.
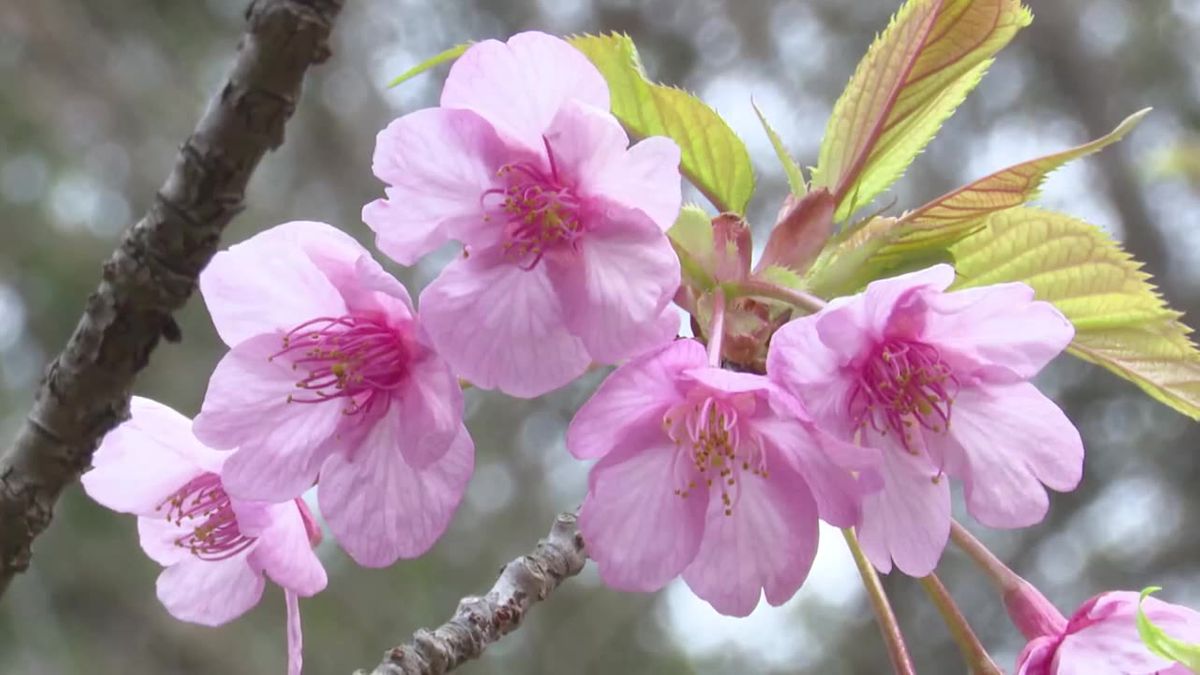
pixel 480 621
pixel 85 390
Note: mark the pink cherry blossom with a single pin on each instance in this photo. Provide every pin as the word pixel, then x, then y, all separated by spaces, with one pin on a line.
pixel 330 374
pixel 939 382
pixel 1102 639
pixel 713 474
pixel 565 260
pixel 216 548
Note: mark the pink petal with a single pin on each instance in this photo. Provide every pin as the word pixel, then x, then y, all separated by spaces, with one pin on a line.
pixel 767 544
pixel 285 554
pixel 589 144
pixel 800 363
pixel 381 509
pixel 372 290
pixel 1037 657
pixel 520 85
pixel 640 533
pixel 429 409
pixel 1111 646
pixel 997 325
pixel 269 284
pixel 635 394
pixel 146 459
pixel 209 592
pixel 909 520
pixel 437 164
pixel 158 537
pixel 501 327
pixel 295 636
pixel 621 279
pixel 280 444
pixel 1005 442
pixel 728 381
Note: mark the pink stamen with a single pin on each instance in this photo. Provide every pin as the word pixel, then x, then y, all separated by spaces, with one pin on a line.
pixel 349 357
pixel 203 500
pixel 540 211
pixel 901 383
pixel 707 432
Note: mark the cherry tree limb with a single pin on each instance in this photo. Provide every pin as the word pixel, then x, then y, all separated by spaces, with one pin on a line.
pixel 480 621
pixel 85 391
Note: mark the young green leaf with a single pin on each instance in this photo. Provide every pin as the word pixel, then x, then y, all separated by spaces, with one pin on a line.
pixel 912 78
pixel 692 238
pixel 714 158
pixel 1161 644
pixel 794 176
pixel 431 62
pixel 1121 321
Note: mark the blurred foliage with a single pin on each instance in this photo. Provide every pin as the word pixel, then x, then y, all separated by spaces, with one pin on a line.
pixel 97 95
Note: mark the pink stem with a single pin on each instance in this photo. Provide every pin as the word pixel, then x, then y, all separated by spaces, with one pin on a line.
pixel 766 289
pixel 973 652
pixel 892 637
pixel 716 329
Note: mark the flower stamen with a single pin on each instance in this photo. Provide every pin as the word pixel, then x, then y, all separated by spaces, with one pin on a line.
pixel 203 500
pixel 707 432
pixel 901 384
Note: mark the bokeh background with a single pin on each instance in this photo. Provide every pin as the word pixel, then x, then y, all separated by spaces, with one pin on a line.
pixel 95 96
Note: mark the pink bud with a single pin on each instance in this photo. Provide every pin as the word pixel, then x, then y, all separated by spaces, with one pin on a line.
pixel 802 228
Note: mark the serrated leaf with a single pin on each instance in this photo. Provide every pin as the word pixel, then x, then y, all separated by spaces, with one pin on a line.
pixel 1161 644
pixel 431 62
pixel 714 159
pixel 1121 321
pixel 692 238
pixel 911 80
pixel 795 177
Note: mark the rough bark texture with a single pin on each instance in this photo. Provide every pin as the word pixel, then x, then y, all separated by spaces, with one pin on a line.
pixel 85 390
pixel 480 621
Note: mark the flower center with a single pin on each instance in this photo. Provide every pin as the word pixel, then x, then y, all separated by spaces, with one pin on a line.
pixel 203 502
pixel 350 357
pixel 539 210
pixel 708 434
pixel 903 383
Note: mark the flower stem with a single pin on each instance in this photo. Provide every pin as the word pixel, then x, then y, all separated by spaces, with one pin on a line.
pixel 977 658
pixel 892 637
pixel 716 329
pixel 766 289
pixel 1000 574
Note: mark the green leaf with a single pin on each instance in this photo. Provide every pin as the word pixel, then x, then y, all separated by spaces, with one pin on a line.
pixel 911 80
pixel 1121 321
pixel 692 238
pixel 714 159
pixel 794 176
pixel 431 62
pixel 1161 644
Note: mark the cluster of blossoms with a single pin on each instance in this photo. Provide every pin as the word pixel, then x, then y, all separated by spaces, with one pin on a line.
pixel 334 379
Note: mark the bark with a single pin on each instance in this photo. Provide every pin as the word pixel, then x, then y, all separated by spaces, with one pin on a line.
pixel 480 621
pixel 85 391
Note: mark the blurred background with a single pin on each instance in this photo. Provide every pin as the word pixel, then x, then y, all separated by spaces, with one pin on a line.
pixel 95 96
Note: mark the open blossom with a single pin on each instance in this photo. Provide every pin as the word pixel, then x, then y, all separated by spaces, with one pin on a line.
pixel 565 261
pixel 1102 639
pixel 330 374
pixel 709 473
pixel 939 382
pixel 216 548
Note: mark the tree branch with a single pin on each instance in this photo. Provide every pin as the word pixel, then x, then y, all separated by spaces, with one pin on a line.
pixel 85 390
pixel 480 621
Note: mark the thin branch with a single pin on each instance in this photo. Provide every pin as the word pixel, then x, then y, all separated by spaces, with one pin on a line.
pixel 973 651
pixel 85 391
pixel 884 616
pixel 480 621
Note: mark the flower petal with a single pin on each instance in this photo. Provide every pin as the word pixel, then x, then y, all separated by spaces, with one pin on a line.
pixel 800 363
pixel 147 458
pixel 159 537
pixel 285 553
pixel 767 544
pixel 635 394
pixel 500 326
pixel 1037 656
pixel 210 592
pixel 1005 442
pixel 429 408
pixel 269 283
pixel 520 85
pixel 638 530
pixel 621 279
pixel 281 444
pixel 1111 645
pixel 437 164
pixel 380 508
pixel 908 521
pixel 589 144
pixel 998 325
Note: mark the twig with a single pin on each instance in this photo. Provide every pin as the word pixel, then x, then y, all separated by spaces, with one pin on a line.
pixel 884 616
pixel 973 651
pixel 480 621
pixel 85 390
